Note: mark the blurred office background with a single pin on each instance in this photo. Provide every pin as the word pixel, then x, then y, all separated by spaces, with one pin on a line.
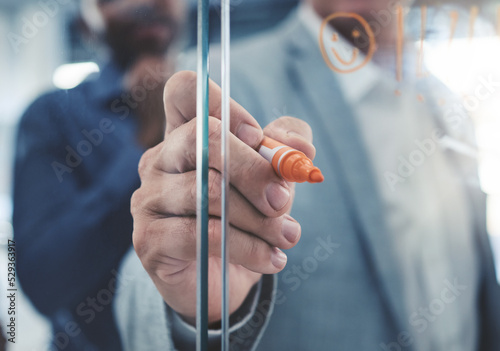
pixel 41 40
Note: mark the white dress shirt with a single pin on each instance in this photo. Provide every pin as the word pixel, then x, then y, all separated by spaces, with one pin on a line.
pixel 426 209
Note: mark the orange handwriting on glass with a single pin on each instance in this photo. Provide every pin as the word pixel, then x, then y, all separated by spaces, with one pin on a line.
pixel 350 65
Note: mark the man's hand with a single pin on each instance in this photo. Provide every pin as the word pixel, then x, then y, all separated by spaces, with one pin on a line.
pixel 164 208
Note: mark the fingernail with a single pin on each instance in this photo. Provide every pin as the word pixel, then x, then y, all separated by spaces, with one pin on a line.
pixel 290 229
pixel 249 134
pixel 278 258
pixel 277 196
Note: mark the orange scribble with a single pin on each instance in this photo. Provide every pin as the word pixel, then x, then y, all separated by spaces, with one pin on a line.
pixel 453 26
pixel 400 43
pixel 423 26
pixel 371 48
pixel 474 11
pixel 354 56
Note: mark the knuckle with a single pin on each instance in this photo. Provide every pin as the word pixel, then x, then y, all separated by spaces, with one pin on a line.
pixel 214 128
pixel 184 230
pixel 187 157
pixel 179 237
pixel 145 239
pixel 145 203
pixel 179 83
pixel 213 230
pixel 216 110
pixel 250 165
pixel 135 202
pixel 144 164
pixel 191 130
pixel 139 240
pixel 245 171
pixel 192 191
pixel 254 250
pixel 169 274
pixel 148 160
pixel 164 275
pixel 214 186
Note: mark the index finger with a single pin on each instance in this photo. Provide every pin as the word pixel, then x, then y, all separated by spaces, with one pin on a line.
pixel 180 107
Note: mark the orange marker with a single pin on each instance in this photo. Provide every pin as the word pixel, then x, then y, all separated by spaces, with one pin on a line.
pixel 290 164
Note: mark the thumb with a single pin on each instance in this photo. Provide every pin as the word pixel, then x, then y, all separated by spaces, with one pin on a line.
pixel 293 132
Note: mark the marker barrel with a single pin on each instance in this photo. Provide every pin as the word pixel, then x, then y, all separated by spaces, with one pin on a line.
pixel 289 163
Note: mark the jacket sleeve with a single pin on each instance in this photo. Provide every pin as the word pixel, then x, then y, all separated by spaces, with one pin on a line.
pixel 70 235
pixel 145 322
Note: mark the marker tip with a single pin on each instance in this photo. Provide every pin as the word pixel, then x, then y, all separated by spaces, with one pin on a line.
pixel 316 177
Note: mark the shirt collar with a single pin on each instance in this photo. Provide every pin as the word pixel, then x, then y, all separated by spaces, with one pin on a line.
pixel 355 85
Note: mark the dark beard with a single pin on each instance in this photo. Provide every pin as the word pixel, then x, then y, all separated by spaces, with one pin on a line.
pixel 119 34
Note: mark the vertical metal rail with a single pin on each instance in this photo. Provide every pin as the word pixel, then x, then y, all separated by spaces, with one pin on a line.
pixel 225 118
pixel 202 179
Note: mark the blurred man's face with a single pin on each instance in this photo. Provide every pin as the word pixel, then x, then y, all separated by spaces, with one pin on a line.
pixel 362 7
pixel 141 27
pixel 371 10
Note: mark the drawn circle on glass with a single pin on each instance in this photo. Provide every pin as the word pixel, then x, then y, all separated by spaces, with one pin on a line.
pixel 371 49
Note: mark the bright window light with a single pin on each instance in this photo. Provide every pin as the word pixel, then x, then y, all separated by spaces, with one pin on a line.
pixel 459 63
pixel 70 75
pixel 464 66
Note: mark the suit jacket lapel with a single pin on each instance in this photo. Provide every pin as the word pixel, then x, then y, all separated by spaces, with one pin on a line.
pixel 310 74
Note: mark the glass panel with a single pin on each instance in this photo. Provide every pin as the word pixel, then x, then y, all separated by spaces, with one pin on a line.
pixel 402 98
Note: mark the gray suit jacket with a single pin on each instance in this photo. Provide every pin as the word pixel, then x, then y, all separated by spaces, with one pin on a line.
pixel 342 287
